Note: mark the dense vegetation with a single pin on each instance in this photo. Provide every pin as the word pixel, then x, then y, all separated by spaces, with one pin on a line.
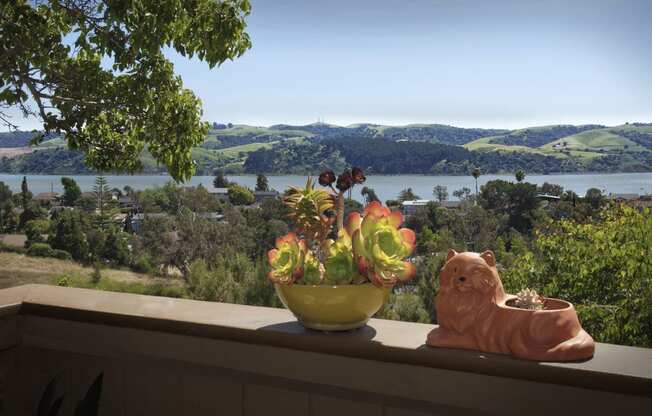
pixel 592 252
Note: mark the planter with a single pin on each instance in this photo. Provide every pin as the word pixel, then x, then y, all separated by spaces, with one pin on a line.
pixel 332 308
pixel 474 312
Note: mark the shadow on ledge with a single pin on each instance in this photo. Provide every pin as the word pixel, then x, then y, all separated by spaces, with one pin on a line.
pixel 366 333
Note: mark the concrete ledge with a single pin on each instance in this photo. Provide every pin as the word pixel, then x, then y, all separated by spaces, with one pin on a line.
pixel 616 369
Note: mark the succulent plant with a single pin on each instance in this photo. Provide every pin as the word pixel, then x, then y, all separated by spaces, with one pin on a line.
pixel 340 266
pixel 529 299
pixel 380 247
pixel 313 270
pixel 287 259
pixel 309 209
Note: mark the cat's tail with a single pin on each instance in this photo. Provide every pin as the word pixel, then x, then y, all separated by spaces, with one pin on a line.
pixel 580 347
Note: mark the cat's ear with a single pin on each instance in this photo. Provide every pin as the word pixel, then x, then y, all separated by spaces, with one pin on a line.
pixel 451 253
pixel 489 258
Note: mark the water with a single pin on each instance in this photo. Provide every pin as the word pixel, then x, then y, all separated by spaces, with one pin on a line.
pixel 386 187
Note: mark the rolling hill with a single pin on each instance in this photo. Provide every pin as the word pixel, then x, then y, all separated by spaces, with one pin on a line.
pixel 285 148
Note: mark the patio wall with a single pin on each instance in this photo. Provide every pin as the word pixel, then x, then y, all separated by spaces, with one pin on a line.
pixel 163 356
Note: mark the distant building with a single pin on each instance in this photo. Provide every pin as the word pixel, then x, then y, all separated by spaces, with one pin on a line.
pixel 260 196
pixel 211 216
pixel 411 207
pixel 623 197
pixel 47 198
pixel 451 204
pixel 136 220
pixel 127 203
pixel 221 194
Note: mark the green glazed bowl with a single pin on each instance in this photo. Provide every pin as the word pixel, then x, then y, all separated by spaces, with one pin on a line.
pixel 332 308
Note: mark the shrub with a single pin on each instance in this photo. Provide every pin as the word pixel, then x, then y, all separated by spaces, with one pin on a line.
pixel 239 195
pixel 142 264
pixel 96 276
pixel 63 281
pixel 12 249
pixel 61 254
pixel 40 250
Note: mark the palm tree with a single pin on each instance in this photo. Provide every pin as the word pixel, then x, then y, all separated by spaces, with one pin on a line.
pixel 476 174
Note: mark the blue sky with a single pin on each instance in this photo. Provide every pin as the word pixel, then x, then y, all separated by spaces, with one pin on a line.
pixel 468 63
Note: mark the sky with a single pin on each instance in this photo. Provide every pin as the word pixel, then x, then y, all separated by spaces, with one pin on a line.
pixel 468 63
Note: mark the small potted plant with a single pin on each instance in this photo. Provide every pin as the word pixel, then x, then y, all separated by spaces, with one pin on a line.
pixel 336 277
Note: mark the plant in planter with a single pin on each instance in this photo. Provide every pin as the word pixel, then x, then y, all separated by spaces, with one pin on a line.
pixel 474 312
pixel 336 279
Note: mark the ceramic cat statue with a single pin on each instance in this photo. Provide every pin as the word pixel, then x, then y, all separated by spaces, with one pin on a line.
pixel 474 312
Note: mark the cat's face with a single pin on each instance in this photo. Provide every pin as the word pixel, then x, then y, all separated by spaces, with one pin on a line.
pixel 469 272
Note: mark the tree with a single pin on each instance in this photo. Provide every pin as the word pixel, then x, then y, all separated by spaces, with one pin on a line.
pixel 220 180
pixel 440 192
pixel 476 174
pixel 594 197
pixel 71 191
pixel 407 195
pixel 520 175
pixel 25 194
pixel 261 183
pixel 35 231
pixel 369 195
pixel 595 267
pixel 239 195
pixel 463 194
pixel 102 194
pixel 55 56
pixel 67 234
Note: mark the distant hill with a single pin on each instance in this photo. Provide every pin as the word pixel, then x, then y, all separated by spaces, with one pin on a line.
pixel 539 136
pixel 18 138
pixel 415 148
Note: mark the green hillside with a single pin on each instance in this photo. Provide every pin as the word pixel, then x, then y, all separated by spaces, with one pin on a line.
pixel 600 140
pixel 305 148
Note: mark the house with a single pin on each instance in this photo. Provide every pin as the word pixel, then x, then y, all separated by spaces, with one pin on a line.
pixel 623 197
pixel 260 196
pixel 411 207
pixel 221 194
pixel 211 216
pixel 451 204
pixel 47 198
pixel 127 203
pixel 135 221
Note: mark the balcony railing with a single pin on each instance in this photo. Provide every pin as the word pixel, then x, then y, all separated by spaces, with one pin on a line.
pixel 163 356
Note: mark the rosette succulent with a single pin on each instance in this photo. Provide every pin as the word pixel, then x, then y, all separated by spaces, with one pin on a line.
pixel 380 247
pixel 371 247
pixel 340 267
pixel 287 259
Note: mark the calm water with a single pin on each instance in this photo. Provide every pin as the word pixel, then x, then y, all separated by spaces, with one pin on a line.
pixel 386 187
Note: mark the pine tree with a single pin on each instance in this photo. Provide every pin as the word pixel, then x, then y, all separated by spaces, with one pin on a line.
pixel 102 194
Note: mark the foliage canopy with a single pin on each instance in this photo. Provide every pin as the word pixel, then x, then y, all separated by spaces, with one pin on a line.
pixel 95 70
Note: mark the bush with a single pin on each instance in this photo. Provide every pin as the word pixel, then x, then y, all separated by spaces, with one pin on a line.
pixel 96 276
pixel 40 250
pixel 239 195
pixel 63 281
pixel 12 249
pixel 142 264
pixel 61 254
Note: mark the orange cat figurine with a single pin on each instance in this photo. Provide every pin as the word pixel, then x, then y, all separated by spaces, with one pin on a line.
pixel 474 312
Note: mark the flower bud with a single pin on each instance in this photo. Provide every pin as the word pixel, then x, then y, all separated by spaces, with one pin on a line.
pixel 326 178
